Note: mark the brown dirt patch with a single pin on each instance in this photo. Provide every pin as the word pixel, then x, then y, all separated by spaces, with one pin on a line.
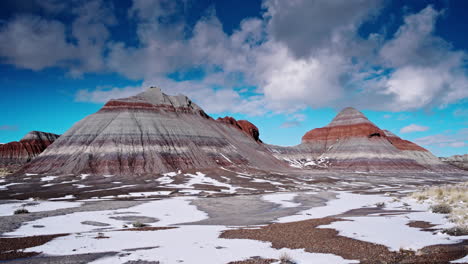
pixel 11 247
pixel 366 211
pixel 254 260
pixel 425 226
pixel 304 234
pixel 148 228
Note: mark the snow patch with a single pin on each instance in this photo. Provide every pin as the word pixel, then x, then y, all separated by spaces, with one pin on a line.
pixel 48 178
pixel 283 199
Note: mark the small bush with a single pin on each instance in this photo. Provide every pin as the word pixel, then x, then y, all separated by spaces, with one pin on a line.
pixel 441 209
pixel 421 197
pixel 138 225
pixel 21 211
pixel 286 259
pixel 380 205
pixel 456 231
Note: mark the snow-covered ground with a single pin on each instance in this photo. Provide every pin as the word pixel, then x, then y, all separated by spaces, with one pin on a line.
pixel 194 179
pixel 192 243
pixel 393 230
pixel 345 202
pixel 35 206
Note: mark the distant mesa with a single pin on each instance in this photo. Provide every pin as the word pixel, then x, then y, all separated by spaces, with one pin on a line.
pixel 460 161
pixel 18 153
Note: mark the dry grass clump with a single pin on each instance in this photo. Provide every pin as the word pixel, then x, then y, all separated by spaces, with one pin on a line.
pixel 448 199
pixel 456 231
pixel 21 211
pixel 5 172
pixel 449 194
pixel 138 225
pixel 441 208
pixel 286 259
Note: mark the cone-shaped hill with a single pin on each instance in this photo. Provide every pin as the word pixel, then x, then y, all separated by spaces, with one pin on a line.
pixel 351 142
pixel 152 133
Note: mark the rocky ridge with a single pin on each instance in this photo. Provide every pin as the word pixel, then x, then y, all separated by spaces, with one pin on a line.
pixel 460 161
pixel 17 153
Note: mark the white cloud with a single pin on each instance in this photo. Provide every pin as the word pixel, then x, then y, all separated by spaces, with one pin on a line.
pixel 36 43
pixel 428 72
pixel 289 124
pixel 413 128
pixel 299 54
pixel 313 69
pixel 102 94
pixel 307 26
pixel 448 139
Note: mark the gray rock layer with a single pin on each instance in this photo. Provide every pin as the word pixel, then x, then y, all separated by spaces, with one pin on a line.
pixel 150 133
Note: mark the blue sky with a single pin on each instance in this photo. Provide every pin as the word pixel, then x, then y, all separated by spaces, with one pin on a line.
pixel 287 66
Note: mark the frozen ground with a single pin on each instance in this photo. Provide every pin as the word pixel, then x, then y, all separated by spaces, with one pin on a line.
pixel 198 222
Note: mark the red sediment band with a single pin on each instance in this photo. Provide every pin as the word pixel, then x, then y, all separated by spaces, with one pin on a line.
pixel 115 105
pixel 402 144
pixel 345 131
pixel 243 125
pixel 22 150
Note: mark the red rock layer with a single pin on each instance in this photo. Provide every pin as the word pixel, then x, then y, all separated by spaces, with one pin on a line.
pixel 243 125
pixel 402 144
pixel 352 142
pixel 339 132
pixel 20 152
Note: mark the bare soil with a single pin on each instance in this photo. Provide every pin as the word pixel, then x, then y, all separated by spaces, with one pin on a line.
pixel 305 234
pixel 11 248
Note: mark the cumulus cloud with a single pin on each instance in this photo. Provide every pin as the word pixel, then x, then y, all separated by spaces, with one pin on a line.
pixel 103 94
pixel 26 42
pixel 299 54
pixel 312 68
pixel 312 25
pixel 413 128
pixel 427 71
pixel 36 43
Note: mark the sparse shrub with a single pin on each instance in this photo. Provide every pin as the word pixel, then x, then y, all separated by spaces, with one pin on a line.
pixel 441 209
pixel 456 231
pixel 138 224
pixel 286 259
pixel 21 211
pixel 101 236
pixel 380 205
pixel 421 197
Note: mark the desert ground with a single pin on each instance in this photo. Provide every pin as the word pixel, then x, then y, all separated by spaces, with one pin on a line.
pixel 314 218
